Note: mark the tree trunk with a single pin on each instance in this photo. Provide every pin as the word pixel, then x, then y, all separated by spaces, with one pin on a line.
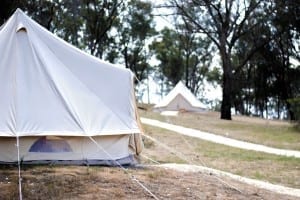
pixel 226 100
pixel 227 80
pixel 291 114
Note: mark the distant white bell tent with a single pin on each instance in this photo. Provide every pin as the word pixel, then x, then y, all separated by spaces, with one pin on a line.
pixel 62 104
pixel 180 98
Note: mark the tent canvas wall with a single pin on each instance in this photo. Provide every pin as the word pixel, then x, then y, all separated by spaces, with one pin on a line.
pixel 61 103
pixel 180 98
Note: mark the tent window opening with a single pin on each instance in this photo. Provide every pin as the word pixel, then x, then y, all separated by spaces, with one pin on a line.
pixel 22 29
pixel 50 144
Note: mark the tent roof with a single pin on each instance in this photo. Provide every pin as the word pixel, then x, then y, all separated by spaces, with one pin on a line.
pixel 180 89
pixel 49 87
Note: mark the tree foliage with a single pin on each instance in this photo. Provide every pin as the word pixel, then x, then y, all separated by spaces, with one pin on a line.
pixel 137 27
pixel 183 56
pixel 98 18
pixel 167 51
pixel 272 79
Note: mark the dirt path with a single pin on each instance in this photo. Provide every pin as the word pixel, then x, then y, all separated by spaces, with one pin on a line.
pixel 259 184
pixel 220 139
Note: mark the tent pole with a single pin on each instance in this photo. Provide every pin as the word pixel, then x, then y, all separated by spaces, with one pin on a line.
pixel 19 169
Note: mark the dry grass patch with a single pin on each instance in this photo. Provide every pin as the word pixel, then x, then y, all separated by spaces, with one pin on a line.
pixel 275 133
pixel 275 169
pixel 79 182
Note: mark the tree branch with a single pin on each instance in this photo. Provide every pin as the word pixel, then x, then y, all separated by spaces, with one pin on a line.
pixel 199 26
pixel 239 27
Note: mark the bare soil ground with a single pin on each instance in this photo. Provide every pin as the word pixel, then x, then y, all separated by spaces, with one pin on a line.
pixel 79 182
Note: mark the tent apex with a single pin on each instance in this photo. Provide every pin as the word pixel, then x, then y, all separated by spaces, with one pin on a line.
pixel 19 10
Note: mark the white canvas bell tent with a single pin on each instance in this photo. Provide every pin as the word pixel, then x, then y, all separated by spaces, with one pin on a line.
pixel 180 98
pixel 61 104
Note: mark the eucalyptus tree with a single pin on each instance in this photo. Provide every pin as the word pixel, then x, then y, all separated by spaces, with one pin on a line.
pixel 135 30
pixel 98 18
pixel 167 51
pixel 68 22
pixel 286 45
pixel 197 54
pixel 44 12
pixel 275 79
pixel 224 23
pixel 248 78
pixel 183 56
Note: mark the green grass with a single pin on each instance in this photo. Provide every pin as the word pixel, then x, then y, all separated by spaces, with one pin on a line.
pixel 275 169
pixel 258 175
pixel 278 134
pixel 260 132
